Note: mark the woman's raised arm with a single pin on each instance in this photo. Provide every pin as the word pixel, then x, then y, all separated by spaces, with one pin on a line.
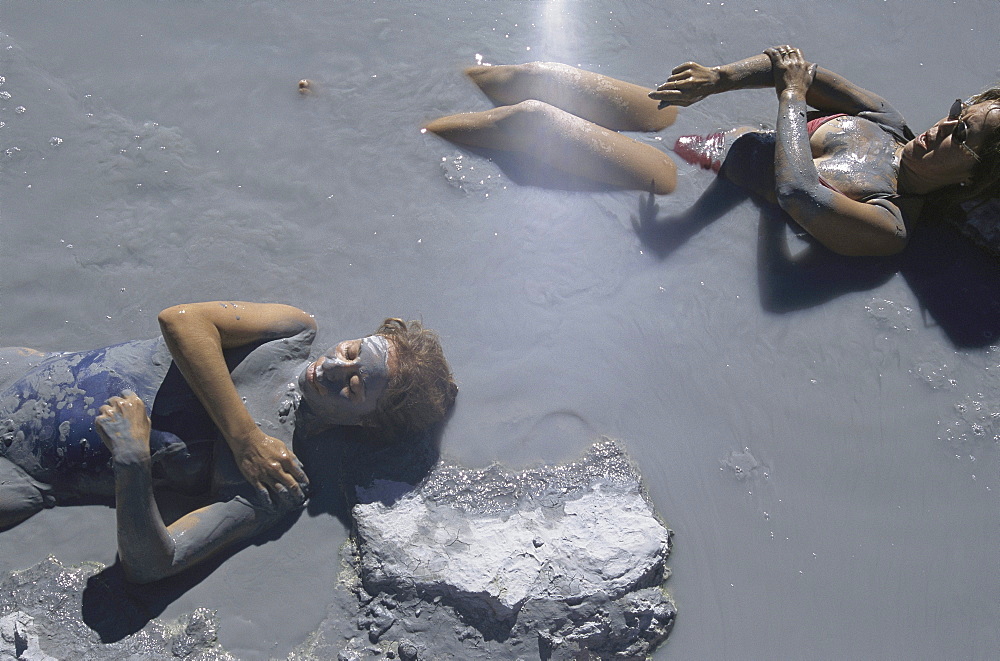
pixel 197 334
pixel 830 92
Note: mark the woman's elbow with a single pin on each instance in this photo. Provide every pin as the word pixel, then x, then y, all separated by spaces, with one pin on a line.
pixel 797 200
pixel 170 317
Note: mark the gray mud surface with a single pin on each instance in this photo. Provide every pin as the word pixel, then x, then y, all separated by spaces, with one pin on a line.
pixel 819 433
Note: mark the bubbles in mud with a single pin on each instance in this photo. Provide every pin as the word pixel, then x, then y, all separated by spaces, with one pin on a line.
pixel 937 376
pixel 976 427
pixel 743 465
pixel 890 315
pixel 481 177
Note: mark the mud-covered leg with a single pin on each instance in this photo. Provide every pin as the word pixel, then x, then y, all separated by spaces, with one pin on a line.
pixel 606 101
pixel 565 142
pixel 21 496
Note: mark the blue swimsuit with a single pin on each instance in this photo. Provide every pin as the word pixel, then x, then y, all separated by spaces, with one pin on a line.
pixel 47 419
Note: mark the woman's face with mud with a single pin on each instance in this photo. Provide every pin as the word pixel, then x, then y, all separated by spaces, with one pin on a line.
pixel 947 152
pixel 345 384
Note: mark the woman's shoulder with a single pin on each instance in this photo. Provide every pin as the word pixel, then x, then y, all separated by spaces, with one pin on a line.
pixel 890 121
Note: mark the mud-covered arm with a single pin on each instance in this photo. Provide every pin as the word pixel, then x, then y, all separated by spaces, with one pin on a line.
pixel 841 224
pixel 830 92
pixel 148 549
pixel 197 334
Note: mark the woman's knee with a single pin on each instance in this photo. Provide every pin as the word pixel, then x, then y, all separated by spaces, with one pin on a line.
pixel 532 113
pixel 749 162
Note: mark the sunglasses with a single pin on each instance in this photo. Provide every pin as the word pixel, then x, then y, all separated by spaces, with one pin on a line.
pixel 961 132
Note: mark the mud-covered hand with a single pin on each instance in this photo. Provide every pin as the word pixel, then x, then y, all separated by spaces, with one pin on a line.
pixel 272 468
pixel 123 426
pixel 688 83
pixel 790 69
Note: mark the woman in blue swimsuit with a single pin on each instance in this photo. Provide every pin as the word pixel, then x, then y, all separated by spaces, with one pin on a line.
pixel 853 184
pixel 209 408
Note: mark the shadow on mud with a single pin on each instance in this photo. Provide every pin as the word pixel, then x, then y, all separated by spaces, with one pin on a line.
pixel 955 280
pixel 339 463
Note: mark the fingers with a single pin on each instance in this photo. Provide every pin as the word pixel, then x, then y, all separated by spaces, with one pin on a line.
pixel 777 56
pixel 294 481
pixel 298 472
pixel 682 68
pixel 289 469
pixel 289 498
pixel 288 495
pixel 286 486
pixel 664 95
pixel 783 53
pixel 127 400
pixel 674 97
pixel 115 406
pixel 292 493
pixel 678 73
pixel 676 76
pixel 264 494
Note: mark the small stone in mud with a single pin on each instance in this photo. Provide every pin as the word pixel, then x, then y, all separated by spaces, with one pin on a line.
pixel 407 651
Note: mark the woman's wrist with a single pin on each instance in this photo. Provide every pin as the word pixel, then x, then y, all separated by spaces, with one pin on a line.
pixel 793 94
pixel 753 72
pixel 724 81
pixel 248 436
pixel 131 460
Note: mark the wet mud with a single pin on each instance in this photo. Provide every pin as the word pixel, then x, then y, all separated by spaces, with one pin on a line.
pixel 820 433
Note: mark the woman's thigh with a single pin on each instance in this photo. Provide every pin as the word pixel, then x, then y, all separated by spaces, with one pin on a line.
pixel 21 495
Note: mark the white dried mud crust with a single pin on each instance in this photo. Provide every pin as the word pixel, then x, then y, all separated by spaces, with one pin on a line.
pixel 561 562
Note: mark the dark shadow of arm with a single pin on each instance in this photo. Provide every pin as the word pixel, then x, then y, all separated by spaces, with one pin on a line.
pixel 748 170
pixel 662 236
pixel 115 608
pixel 813 275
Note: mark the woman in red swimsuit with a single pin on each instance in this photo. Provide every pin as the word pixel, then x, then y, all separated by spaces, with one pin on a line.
pixel 852 180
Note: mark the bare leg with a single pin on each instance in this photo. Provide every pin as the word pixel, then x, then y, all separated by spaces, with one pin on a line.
pixel 611 103
pixel 21 496
pixel 565 142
